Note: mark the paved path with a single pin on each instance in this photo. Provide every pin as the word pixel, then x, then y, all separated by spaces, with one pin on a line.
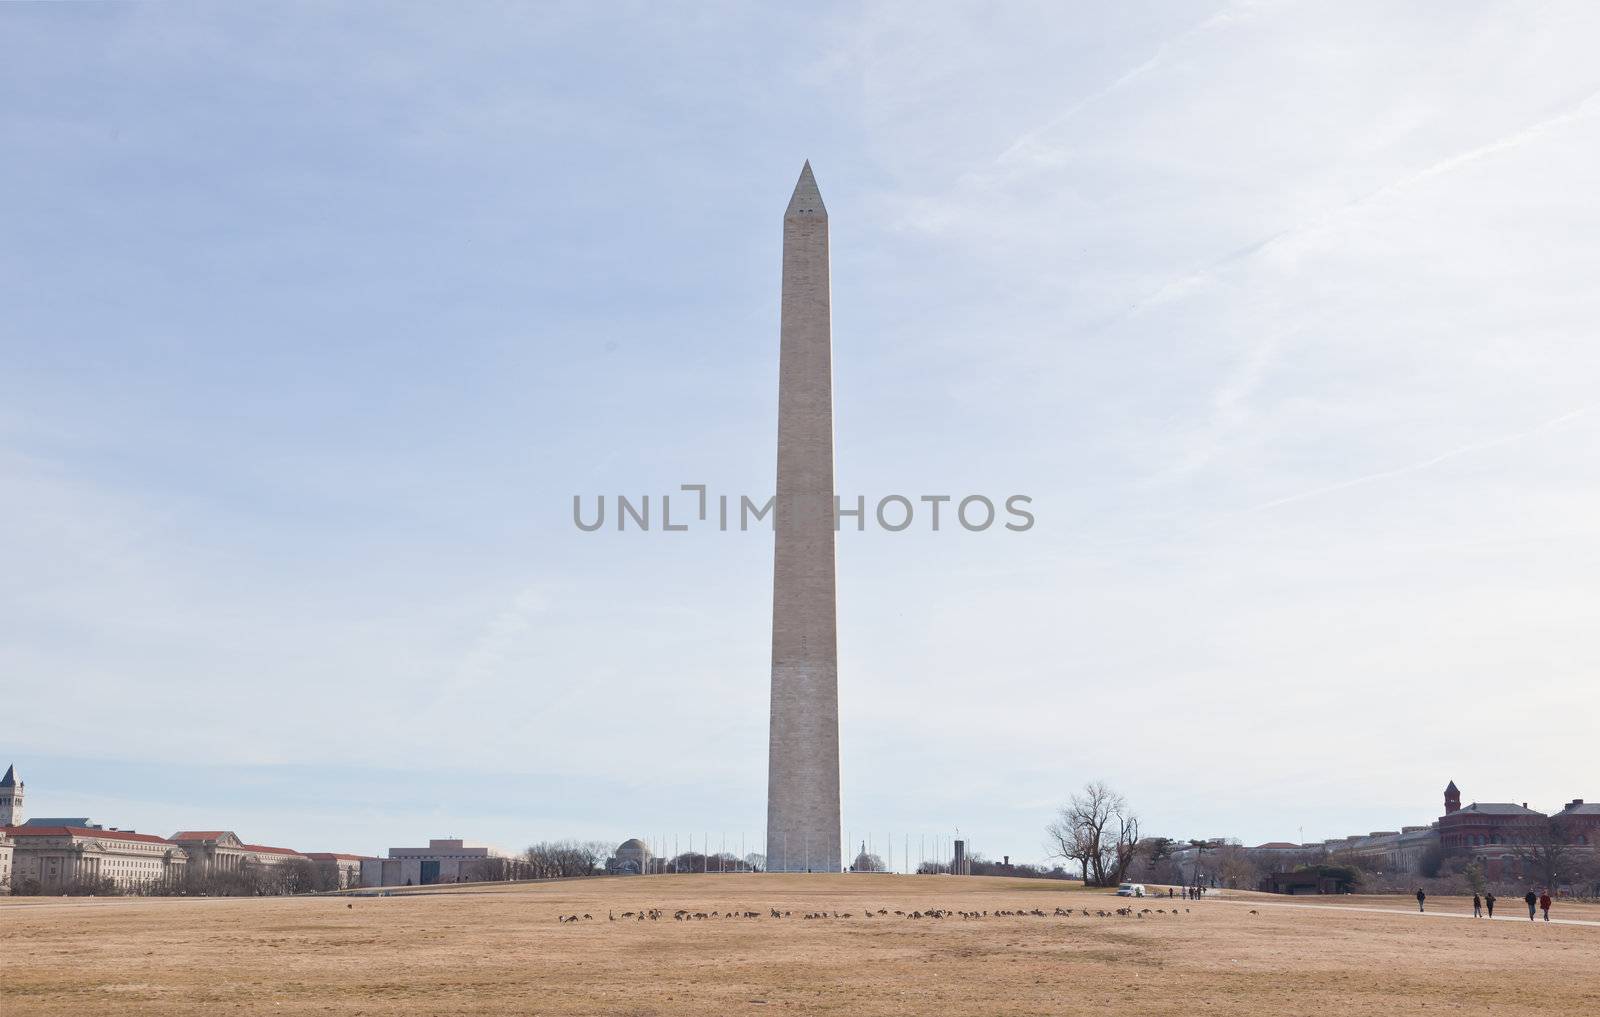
pixel 1404 911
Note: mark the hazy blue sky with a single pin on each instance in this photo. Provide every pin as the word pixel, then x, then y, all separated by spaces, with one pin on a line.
pixel 316 317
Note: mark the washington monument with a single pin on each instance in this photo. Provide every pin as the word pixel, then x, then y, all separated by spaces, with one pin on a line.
pixel 803 759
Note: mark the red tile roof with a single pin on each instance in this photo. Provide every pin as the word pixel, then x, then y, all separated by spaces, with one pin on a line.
pixel 328 856
pixel 268 850
pixel 197 835
pixel 78 831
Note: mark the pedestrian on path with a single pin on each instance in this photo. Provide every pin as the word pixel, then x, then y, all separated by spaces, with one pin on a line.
pixel 1488 899
pixel 1544 904
pixel 1420 898
pixel 1532 900
pixel 1477 906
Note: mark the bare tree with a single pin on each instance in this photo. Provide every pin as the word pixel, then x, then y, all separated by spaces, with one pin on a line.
pixel 490 870
pixel 689 861
pixel 594 853
pixel 1071 841
pixel 297 875
pixel 1099 831
pixel 1236 867
pixel 562 859
pixel 1550 855
pixel 1125 847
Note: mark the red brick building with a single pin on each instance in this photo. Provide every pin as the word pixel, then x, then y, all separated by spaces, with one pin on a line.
pixel 1494 832
pixel 1488 824
pixel 1581 822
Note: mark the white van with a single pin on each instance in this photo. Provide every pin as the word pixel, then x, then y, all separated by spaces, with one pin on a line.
pixel 1130 890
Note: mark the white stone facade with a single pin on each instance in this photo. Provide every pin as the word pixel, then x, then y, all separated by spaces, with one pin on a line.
pixel 57 858
pixel 215 852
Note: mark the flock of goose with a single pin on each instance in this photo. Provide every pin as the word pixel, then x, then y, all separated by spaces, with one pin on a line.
pixel 935 914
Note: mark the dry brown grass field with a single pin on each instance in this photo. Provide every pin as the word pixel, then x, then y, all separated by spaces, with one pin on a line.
pixel 502 950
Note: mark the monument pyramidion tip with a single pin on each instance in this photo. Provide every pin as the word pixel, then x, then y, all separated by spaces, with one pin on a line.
pixel 807 199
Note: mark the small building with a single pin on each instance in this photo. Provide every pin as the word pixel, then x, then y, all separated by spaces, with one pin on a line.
pixel 1308 881
pixel 442 861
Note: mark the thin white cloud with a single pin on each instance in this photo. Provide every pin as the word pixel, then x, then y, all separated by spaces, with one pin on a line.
pixel 1033 142
pixel 1575 113
pixel 1428 463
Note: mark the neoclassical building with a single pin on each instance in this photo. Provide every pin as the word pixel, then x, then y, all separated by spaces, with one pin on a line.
pixel 221 851
pixel 58 857
pixel 56 854
pixel 1395 851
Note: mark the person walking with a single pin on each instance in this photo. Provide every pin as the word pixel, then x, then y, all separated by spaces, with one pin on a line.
pixel 1420 898
pixel 1488 900
pixel 1532 900
pixel 1544 904
pixel 1477 906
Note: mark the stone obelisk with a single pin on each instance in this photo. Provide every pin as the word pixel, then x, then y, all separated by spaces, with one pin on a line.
pixel 803 759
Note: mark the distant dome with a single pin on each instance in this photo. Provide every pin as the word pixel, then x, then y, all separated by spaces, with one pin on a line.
pixel 632 844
